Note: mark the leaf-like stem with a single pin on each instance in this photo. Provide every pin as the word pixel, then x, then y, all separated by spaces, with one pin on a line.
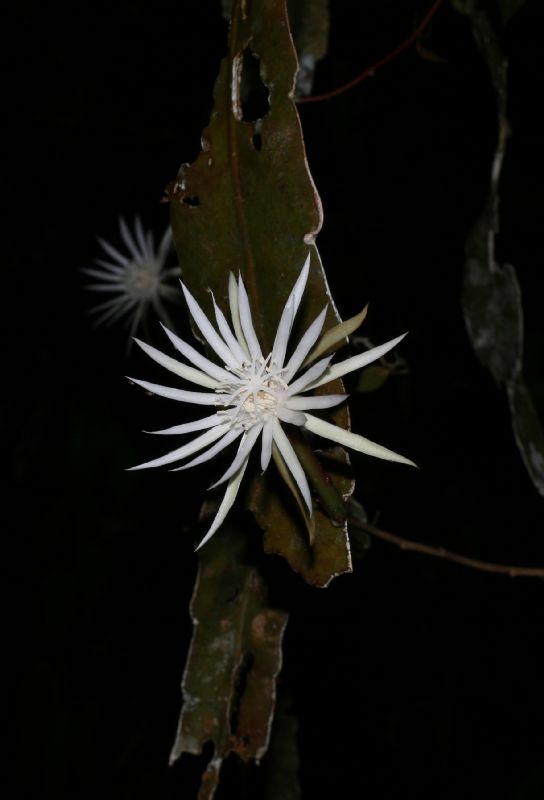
pixel 441 552
pixel 370 71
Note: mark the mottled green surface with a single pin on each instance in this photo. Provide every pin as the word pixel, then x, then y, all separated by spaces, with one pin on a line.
pixel 229 684
pixel 492 302
pixel 250 205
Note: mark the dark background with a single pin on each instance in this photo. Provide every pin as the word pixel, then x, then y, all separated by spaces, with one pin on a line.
pixel 411 675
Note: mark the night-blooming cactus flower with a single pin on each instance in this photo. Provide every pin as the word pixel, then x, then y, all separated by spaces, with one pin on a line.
pixel 254 395
pixel 137 279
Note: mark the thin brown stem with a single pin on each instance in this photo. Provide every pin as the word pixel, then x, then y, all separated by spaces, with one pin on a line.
pixel 441 552
pixel 370 71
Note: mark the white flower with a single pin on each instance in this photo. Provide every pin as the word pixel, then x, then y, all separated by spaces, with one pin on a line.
pixel 253 394
pixel 137 279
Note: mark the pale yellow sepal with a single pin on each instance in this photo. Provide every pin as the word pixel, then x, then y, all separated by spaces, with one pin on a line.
pixel 334 335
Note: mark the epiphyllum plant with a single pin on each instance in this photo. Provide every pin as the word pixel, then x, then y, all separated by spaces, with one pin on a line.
pixel 135 279
pixel 255 394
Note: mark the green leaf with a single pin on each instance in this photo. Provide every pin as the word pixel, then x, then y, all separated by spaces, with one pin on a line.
pixel 491 293
pixel 229 683
pixel 329 556
pixel 248 204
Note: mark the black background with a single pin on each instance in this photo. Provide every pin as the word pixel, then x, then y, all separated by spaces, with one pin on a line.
pixel 411 675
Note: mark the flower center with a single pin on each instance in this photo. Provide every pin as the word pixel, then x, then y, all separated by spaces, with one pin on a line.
pixel 255 392
pixel 143 279
pixel 259 402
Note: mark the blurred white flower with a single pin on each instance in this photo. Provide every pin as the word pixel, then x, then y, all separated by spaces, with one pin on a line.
pixel 137 279
pixel 253 394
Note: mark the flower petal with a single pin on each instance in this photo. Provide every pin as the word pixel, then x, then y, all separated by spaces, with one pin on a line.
pixel 338 333
pixel 229 437
pixel 103 275
pixel 226 333
pixel 184 371
pixel 164 247
pixel 266 448
pixel 301 384
pixel 208 331
pixel 197 358
pixel 356 362
pixel 113 309
pixel 314 402
pixel 119 287
pixel 290 457
pixel 292 417
pixel 128 239
pixel 140 238
pixel 119 270
pixel 305 345
pixel 352 440
pixel 226 503
pixel 246 446
pixel 183 396
pixel 235 314
pixel 186 450
pixel 191 427
pixel 111 251
pixel 309 519
pixel 288 315
pixel 247 322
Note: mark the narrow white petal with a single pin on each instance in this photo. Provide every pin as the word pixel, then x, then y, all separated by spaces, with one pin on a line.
pixel 292 417
pixel 314 402
pixel 288 316
pixel 184 371
pixel 226 503
pixel 111 251
pixel 302 384
pixel 116 308
pixel 247 322
pixel 140 236
pixel 187 449
pixel 208 331
pixel 150 248
pixel 198 359
pixel 235 315
pixel 191 427
pixel 104 275
pixel 199 398
pixel 300 284
pixel 305 345
pixel 266 449
pixel 116 268
pixel 246 446
pixel 356 362
pixel 284 330
pixel 352 440
pixel 290 457
pixel 164 247
pixel 128 239
pixel 226 333
pixel 229 437
pixel 101 287
pixel 115 302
